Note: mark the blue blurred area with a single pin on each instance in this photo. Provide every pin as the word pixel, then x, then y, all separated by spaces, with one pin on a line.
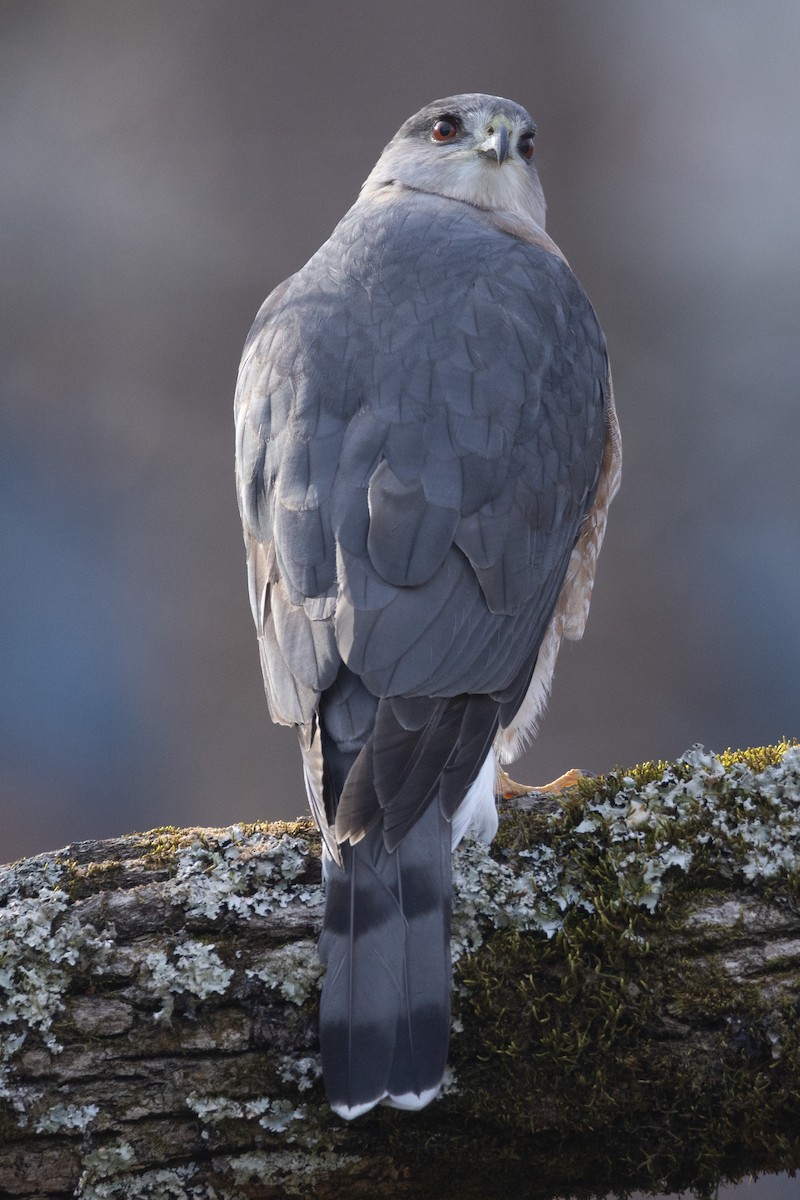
pixel 166 165
pixel 58 692
pixel 74 742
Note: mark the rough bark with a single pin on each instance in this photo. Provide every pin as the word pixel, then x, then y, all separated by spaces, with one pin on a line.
pixel 627 983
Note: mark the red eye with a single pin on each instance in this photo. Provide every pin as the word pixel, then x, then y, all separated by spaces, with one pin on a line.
pixel 445 130
pixel 525 145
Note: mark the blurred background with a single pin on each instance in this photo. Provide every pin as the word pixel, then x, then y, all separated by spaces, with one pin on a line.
pixel 165 165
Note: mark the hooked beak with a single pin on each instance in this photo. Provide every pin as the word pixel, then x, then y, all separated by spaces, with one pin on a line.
pixel 496 144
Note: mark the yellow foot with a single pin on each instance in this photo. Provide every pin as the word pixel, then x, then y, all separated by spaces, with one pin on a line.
pixel 509 790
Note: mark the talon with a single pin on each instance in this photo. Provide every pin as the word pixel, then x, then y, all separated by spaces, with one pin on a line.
pixel 510 790
pixel 567 780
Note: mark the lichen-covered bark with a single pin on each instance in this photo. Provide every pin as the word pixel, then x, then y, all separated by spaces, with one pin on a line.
pixel 627 981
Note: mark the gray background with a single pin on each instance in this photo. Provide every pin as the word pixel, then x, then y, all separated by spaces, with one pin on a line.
pixel 164 165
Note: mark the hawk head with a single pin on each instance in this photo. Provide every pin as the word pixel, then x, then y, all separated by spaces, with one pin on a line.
pixel 474 148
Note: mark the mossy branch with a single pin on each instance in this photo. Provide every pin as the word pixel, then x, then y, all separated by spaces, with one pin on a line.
pixel 626 1005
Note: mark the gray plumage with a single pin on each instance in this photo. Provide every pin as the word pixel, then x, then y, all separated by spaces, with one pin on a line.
pixel 424 418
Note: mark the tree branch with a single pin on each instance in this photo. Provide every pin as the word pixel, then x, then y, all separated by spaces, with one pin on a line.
pixel 627 978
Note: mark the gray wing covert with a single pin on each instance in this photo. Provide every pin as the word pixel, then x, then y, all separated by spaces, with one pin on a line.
pixel 287 450
pixel 420 428
pixel 467 471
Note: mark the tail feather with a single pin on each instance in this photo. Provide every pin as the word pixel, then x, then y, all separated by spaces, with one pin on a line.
pixel 385 1008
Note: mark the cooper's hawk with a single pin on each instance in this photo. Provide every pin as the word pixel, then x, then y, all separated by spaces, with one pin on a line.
pixel 426 447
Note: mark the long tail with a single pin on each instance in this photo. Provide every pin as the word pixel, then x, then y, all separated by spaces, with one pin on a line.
pixel 385 1008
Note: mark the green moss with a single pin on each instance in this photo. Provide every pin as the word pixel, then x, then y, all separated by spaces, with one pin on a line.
pixel 758 758
pixel 95 877
pixel 160 847
pixel 302 827
pixel 703 993
pixel 584 1020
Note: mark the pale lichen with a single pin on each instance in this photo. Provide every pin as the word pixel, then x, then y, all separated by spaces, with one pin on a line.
pixel 41 943
pixel 294 970
pixel 301 1071
pixel 294 1171
pixel 67 1118
pixel 102 1163
pixel 174 1183
pixel 242 873
pixel 195 968
pixel 213 1110
pixel 275 1115
pixel 306 1150
pixel 735 818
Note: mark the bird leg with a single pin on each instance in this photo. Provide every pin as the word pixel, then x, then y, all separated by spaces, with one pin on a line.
pixel 509 790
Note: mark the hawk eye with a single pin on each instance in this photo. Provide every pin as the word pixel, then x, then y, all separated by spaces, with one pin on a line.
pixel 445 129
pixel 525 145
